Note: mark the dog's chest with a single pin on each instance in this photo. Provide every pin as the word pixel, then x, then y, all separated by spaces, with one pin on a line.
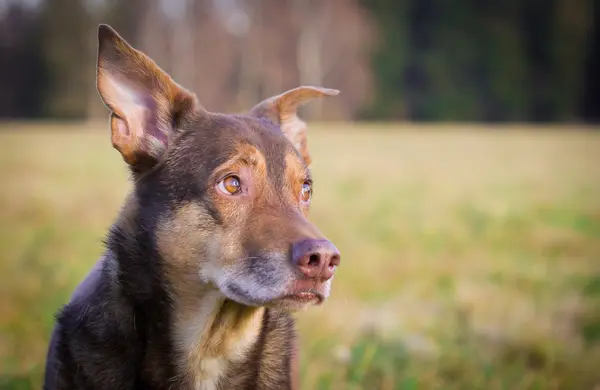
pixel 209 373
pixel 211 337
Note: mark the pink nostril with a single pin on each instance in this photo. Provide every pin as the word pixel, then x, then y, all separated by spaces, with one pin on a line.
pixel 335 260
pixel 314 260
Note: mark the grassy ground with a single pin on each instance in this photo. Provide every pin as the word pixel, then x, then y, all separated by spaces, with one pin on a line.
pixel 471 256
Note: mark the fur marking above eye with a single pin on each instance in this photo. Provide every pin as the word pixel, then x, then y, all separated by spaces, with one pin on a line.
pixel 230 185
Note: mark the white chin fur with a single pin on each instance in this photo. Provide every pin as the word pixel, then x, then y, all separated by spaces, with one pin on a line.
pixel 243 288
pixel 250 293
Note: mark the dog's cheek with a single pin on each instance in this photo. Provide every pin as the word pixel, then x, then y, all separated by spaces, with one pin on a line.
pixel 182 239
pixel 234 214
pixel 222 255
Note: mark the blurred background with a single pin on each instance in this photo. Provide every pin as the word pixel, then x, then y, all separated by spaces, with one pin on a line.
pixel 411 60
pixel 458 172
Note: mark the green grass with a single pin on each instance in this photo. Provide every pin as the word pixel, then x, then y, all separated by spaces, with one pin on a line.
pixel 471 256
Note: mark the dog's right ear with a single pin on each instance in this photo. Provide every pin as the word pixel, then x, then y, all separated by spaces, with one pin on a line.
pixel 146 104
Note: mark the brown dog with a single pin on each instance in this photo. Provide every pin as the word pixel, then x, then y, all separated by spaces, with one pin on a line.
pixel 211 251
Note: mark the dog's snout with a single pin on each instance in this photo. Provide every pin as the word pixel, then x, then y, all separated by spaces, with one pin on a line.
pixel 316 258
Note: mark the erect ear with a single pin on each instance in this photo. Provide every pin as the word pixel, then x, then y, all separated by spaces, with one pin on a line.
pixel 146 103
pixel 282 109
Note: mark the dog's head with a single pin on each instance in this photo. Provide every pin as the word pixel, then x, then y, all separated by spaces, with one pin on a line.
pixel 225 198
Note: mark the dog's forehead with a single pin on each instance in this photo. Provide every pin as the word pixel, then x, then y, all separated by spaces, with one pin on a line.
pixel 221 137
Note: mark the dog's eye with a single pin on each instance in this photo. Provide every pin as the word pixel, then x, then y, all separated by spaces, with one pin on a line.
pixel 306 192
pixel 230 185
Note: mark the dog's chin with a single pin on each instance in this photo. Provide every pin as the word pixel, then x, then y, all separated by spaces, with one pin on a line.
pixel 289 302
pixel 291 299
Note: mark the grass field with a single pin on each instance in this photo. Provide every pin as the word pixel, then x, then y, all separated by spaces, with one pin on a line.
pixel 471 255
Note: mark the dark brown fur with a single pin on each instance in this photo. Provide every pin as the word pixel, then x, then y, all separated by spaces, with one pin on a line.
pixel 193 291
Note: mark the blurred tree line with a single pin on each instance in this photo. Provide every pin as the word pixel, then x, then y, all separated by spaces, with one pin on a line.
pixel 523 60
pixel 460 60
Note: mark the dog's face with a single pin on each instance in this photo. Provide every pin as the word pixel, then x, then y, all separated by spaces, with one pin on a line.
pixel 234 195
pixel 225 197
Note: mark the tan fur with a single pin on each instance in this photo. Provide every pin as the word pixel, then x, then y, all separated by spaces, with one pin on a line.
pixel 214 334
pixel 209 331
pixel 184 247
pixel 294 171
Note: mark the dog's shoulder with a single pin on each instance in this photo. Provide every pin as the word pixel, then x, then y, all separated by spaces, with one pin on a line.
pixel 91 301
pixel 89 328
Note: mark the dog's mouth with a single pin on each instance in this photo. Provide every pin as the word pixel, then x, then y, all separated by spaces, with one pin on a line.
pixel 293 294
pixel 303 293
pixel 298 300
pixel 304 297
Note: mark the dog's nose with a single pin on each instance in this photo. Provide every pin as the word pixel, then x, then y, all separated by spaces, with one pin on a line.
pixel 316 259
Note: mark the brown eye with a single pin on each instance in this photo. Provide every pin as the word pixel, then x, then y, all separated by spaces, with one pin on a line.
pixel 230 185
pixel 306 192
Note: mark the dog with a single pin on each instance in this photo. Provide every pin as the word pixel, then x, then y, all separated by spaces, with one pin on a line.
pixel 212 251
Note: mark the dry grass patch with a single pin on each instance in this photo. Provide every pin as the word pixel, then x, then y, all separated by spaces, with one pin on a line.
pixel 470 256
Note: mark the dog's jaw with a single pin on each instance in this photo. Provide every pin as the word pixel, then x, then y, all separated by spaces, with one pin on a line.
pixel 243 288
pixel 287 292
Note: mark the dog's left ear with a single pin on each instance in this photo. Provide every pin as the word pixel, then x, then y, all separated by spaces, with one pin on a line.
pixel 282 109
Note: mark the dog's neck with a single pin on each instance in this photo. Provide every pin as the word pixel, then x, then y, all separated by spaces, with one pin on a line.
pixel 207 333
pixel 211 333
